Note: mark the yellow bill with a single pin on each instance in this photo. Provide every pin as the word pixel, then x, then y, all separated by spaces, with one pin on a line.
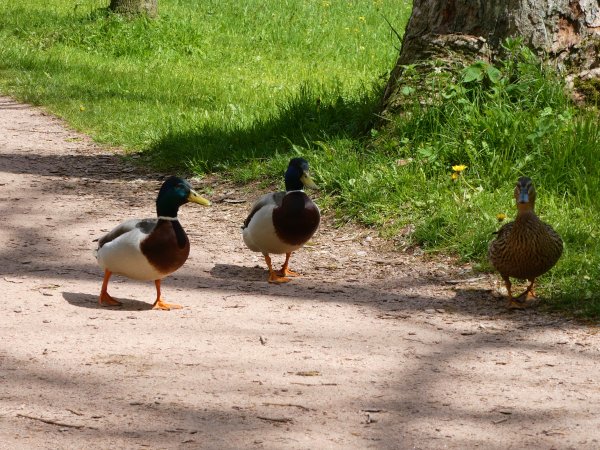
pixel 195 198
pixel 308 182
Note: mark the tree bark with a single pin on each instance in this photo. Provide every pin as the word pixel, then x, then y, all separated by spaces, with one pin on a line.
pixel 135 7
pixel 567 32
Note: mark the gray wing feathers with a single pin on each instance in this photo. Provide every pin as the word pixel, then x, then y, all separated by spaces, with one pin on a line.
pixel 145 225
pixel 273 198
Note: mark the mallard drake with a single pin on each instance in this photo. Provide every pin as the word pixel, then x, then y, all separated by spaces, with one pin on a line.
pixel 526 248
pixel 282 222
pixel 149 249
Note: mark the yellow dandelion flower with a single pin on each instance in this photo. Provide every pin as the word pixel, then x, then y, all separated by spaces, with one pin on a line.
pixel 500 217
pixel 459 168
pixel 454 176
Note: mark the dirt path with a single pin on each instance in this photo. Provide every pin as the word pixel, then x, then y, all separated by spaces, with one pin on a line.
pixel 370 349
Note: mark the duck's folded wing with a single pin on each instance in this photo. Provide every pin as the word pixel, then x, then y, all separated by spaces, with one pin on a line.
pixel 504 230
pixel 144 225
pixel 273 198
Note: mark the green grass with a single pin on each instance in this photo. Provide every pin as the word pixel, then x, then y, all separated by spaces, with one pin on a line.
pixel 239 87
pixel 202 83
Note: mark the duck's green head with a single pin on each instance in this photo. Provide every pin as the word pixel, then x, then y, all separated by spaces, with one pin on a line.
pixel 173 193
pixel 525 193
pixel 297 177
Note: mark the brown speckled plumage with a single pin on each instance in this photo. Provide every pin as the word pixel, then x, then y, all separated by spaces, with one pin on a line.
pixel 527 247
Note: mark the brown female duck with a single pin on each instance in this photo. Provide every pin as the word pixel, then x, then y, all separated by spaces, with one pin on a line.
pixel 526 248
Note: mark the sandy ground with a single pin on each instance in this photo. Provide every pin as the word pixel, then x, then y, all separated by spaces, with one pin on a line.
pixel 371 348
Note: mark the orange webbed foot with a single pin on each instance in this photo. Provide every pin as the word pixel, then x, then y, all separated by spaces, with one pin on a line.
pixel 164 306
pixel 515 303
pixel 275 278
pixel 522 301
pixel 279 276
pixel 285 272
pixel 107 300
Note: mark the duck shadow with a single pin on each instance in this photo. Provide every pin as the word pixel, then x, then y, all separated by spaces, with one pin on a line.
pixel 482 301
pixel 245 273
pixel 90 301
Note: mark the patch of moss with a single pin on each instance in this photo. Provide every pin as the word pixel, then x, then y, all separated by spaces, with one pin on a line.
pixel 590 89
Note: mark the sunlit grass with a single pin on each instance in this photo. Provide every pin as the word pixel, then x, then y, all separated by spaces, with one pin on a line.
pixel 204 70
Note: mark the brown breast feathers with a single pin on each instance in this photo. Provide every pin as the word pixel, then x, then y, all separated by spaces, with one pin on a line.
pixel 167 247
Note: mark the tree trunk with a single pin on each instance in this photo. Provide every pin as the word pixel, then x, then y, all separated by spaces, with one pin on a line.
pixel 135 7
pixel 565 31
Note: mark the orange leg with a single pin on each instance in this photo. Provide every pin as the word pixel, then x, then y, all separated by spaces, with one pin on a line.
pixel 521 301
pixel 531 292
pixel 274 277
pixel 508 286
pixel 159 303
pixel 513 303
pixel 285 271
pixel 105 298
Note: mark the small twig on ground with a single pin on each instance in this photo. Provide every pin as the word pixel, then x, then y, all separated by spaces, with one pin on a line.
pixel 387 262
pixel 465 280
pixel 304 408
pixel 345 238
pixel 309 373
pixel 275 419
pixel 553 433
pixel 541 324
pixel 51 422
